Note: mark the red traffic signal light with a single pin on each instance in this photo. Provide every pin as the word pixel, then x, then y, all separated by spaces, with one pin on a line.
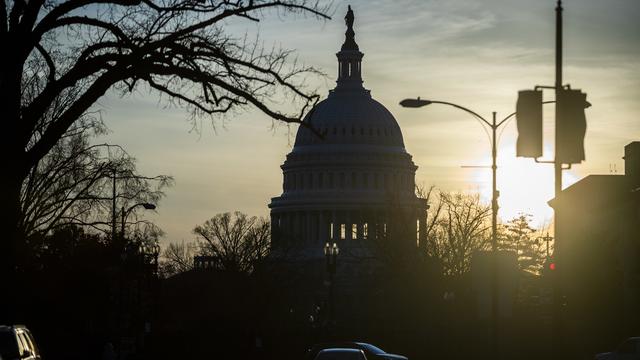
pixel 549 266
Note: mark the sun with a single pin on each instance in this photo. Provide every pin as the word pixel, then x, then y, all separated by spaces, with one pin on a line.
pixel 524 186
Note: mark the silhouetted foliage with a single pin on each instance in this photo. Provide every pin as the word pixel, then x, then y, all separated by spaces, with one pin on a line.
pixel 237 242
pixel 177 258
pixel 73 184
pixel 60 57
pixel 519 236
pixel 459 226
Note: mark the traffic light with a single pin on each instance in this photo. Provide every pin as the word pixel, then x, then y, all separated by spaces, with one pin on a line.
pixel 549 266
pixel 571 126
pixel 529 122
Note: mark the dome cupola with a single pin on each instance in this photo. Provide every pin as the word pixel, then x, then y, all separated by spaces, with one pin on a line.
pixel 349 115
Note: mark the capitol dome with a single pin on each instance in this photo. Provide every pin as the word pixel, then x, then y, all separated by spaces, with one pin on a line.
pixel 350 117
pixel 343 186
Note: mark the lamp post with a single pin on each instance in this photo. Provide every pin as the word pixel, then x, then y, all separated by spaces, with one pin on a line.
pixel 331 256
pixel 494 125
pixel 416 103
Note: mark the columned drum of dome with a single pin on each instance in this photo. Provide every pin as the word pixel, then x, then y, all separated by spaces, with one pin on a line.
pixel 345 186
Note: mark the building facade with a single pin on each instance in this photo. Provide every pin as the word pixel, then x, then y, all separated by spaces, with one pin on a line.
pixel 348 173
pixel 598 255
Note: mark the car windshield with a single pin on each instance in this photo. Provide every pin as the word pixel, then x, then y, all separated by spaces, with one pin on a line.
pixel 372 349
pixel 342 354
pixel 8 346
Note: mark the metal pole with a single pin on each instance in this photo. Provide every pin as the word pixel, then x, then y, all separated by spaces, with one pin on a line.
pixel 331 294
pixel 494 237
pixel 122 226
pixel 113 209
pixel 547 238
pixel 557 167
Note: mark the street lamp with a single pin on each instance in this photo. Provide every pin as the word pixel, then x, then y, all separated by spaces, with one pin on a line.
pixel 416 103
pixel 331 255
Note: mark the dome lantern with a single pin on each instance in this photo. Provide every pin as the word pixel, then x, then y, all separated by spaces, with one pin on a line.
pixel 349 58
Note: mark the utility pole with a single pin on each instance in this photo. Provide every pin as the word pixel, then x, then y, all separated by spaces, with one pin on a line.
pixel 557 170
pixel 113 208
pixel 494 239
pixel 494 264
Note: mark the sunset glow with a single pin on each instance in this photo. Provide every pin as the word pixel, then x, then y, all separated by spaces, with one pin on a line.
pixel 459 51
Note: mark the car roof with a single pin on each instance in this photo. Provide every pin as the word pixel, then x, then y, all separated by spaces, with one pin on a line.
pixel 339 350
pixel 370 348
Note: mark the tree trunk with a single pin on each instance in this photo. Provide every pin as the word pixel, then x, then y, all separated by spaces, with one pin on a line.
pixel 14 171
pixel 12 239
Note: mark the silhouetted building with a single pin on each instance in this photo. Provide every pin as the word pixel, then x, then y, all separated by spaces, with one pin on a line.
pixel 353 186
pixel 598 253
pixel 341 187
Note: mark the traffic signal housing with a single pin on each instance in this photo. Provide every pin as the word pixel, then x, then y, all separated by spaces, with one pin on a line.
pixel 549 266
pixel 571 126
pixel 529 123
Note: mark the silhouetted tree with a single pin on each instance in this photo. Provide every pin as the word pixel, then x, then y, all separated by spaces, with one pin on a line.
pixel 518 236
pixel 73 184
pixel 237 242
pixel 60 57
pixel 177 258
pixel 459 226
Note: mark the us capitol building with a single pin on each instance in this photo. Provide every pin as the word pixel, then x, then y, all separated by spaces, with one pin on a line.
pixel 346 186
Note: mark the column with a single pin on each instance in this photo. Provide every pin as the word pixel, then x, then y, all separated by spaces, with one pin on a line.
pixel 348 227
pixel 284 226
pixel 295 224
pixel 377 227
pixel 336 227
pixel 309 227
pixel 323 225
pixel 360 223
pixel 275 228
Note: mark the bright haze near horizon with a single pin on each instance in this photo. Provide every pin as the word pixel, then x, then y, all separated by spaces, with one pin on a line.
pixel 474 53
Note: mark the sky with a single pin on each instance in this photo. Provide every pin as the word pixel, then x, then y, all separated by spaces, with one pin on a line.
pixel 474 53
